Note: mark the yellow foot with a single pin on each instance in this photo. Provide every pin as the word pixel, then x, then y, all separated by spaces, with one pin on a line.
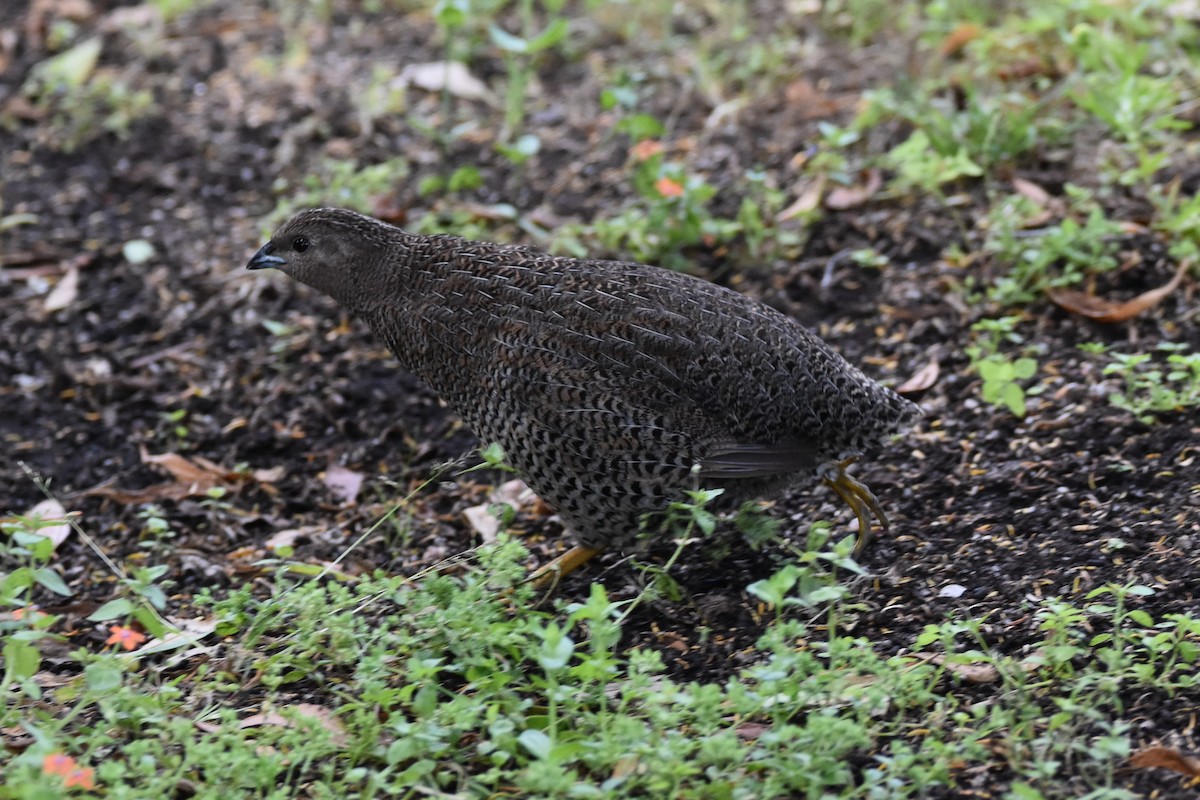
pixel 547 576
pixel 855 494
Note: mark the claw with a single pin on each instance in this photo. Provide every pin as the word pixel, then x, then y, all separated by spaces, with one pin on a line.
pixel 861 500
pixel 547 576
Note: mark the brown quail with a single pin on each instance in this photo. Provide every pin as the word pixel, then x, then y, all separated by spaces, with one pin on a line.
pixel 612 387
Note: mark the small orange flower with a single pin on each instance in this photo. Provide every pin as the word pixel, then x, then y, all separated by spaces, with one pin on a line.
pixel 668 187
pixel 645 150
pixel 126 637
pixel 81 777
pixel 58 764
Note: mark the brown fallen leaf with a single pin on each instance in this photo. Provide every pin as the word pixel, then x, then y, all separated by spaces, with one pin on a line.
pixel 1101 310
pixel 979 672
pixel 1048 207
pixel 322 715
pixel 812 103
pixel 959 38
pixel 750 731
pixel 807 199
pixel 971 673
pixel 270 475
pixel 514 493
pixel 64 292
pixel 846 197
pixel 190 478
pixel 1031 191
pixel 345 483
pixel 198 472
pixel 1166 758
pixel 289 537
pixel 448 76
pixel 625 766
pixel 922 379
pixel 55 526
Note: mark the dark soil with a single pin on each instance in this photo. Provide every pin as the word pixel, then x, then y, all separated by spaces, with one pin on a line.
pixel 1076 495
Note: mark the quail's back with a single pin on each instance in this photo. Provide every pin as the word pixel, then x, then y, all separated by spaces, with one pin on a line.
pixel 612 387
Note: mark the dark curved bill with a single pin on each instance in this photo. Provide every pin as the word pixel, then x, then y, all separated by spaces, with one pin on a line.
pixel 265 258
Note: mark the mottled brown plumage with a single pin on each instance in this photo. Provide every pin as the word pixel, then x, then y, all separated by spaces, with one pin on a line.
pixel 612 387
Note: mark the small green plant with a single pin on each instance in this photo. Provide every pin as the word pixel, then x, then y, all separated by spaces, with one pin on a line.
pixel 463 179
pixel 1001 374
pixel 830 158
pixel 340 183
pixel 1054 256
pixel 156 523
pixel 23 543
pixel 1150 389
pixel 756 226
pixel 282 336
pixel 171 9
pixel 26 555
pixel 1137 107
pixel 671 216
pixel 177 421
pixel 811 581
pixel 919 165
pixel 520 53
pixel 144 601
pixel 1177 216
pixel 954 140
pixel 82 102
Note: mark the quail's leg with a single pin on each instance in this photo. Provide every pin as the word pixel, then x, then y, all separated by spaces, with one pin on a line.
pixel 548 575
pixel 861 500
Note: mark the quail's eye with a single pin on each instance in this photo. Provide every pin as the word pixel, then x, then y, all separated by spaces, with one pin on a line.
pixel 300 244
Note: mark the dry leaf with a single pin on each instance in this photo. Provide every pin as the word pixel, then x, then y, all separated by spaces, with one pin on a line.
pixel 344 483
pixel 1101 310
pixel 289 537
pixel 1166 758
pixel 321 714
pixel 625 766
pixel 192 477
pixel 187 632
pixel 925 377
pixel 959 38
pixel 514 493
pixel 271 475
pixel 971 673
pixel 483 522
pixel 980 673
pixel 65 292
pixel 199 475
pixel 810 101
pixel 807 200
pixel 751 730
pixel 846 197
pixel 974 673
pixel 1048 206
pixel 1031 191
pixel 1027 68
pixel 51 510
pixel 450 76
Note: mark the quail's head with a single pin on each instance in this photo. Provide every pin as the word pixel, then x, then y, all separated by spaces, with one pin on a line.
pixel 338 252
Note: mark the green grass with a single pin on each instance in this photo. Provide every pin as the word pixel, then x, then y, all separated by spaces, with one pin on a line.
pixel 460 686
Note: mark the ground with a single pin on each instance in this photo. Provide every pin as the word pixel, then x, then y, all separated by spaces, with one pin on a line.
pixel 187 353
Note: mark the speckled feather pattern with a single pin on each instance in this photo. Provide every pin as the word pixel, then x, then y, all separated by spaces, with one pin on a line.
pixel 605 382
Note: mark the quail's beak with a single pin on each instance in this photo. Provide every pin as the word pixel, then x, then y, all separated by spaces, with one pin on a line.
pixel 265 258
